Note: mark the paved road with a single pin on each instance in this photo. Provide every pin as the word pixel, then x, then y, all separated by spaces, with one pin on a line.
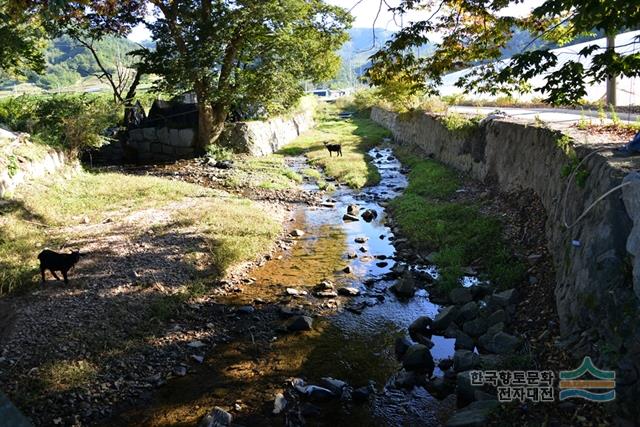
pixel 558 116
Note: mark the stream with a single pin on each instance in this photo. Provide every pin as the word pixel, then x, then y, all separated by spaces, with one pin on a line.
pixel 352 338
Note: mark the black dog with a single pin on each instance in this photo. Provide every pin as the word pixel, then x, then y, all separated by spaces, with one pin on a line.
pixel 53 261
pixel 333 147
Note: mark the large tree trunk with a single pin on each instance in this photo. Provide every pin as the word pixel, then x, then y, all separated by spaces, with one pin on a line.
pixel 211 119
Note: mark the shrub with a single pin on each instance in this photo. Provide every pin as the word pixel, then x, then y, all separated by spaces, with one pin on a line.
pixel 70 121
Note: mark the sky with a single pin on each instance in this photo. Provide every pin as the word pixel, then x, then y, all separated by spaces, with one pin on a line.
pixel 365 12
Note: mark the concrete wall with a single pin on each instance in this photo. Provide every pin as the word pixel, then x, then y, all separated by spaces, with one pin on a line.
pixel 260 138
pixel 29 169
pixel 597 261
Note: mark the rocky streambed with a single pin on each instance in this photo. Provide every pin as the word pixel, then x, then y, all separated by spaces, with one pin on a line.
pixel 342 327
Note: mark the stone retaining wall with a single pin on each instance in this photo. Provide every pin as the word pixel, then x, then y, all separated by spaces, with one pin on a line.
pixel 597 261
pixel 162 144
pixel 260 138
pixel 29 169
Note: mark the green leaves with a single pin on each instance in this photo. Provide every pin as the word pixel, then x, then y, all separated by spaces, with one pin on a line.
pixel 476 32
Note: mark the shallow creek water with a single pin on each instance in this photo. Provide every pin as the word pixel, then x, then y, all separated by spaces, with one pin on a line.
pixel 356 347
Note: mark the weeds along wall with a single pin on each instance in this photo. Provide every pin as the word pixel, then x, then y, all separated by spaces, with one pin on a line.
pixel 597 261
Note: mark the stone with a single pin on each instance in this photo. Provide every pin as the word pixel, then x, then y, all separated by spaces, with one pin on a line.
pixel 464 389
pixel 369 215
pixel 353 210
pixel 382 264
pixel 149 134
pixel 468 311
pixel 405 286
pixel 445 364
pixel 505 298
pixel 348 217
pixel 420 326
pixel 494 329
pixel 499 343
pixel 155 147
pixel 168 149
pixel 326 294
pixel 163 135
pixel 325 285
pixel 300 323
pixel 464 342
pixel 363 249
pixel 405 379
pixel 475 327
pixel 196 344
pixel 279 403
pixel 474 415
pixel 292 292
pixel 418 358
pixel 309 410
pixel 497 317
pixel 336 386
pixel 246 309
pixel 352 255
pixel 402 344
pixel 361 240
pixel 180 371
pixel 347 269
pixel 463 360
pixel 439 388
pixel 349 291
pixel 186 138
pixel 286 311
pixel 319 394
pixel 217 418
pixel 361 394
pixel 444 318
pixel 297 233
pixel 184 152
pixel 460 295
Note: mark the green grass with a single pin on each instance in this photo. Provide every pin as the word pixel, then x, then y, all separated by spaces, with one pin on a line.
pixel 232 229
pixel 268 172
pixel 357 136
pixel 457 231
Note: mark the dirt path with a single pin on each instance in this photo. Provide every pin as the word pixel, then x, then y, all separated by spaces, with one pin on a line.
pixel 70 353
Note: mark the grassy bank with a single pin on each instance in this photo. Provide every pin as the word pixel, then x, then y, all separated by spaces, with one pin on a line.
pixel 41 213
pixel 357 135
pixel 456 232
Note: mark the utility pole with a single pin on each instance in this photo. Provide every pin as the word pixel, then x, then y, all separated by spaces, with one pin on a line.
pixel 611 79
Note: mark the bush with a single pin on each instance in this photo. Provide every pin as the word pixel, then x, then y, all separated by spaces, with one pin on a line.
pixel 71 121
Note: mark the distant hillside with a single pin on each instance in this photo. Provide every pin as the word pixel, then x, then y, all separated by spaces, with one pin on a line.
pixel 69 63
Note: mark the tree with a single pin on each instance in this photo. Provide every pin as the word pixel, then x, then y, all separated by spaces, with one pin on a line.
pixel 475 32
pixel 23 39
pixel 249 55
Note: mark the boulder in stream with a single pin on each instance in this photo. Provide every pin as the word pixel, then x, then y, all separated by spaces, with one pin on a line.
pixel 300 323
pixel 353 209
pixel 216 418
pixel 349 217
pixel 418 358
pixel 369 215
pixel 349 291
pixel 405 286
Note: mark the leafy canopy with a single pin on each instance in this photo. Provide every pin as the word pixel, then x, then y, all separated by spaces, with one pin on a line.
pixel 475 32
pixel 249 54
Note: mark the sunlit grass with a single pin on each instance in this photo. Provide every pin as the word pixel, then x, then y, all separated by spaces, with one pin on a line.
pixel 236 228
pixel 456 231
pixel 357 135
